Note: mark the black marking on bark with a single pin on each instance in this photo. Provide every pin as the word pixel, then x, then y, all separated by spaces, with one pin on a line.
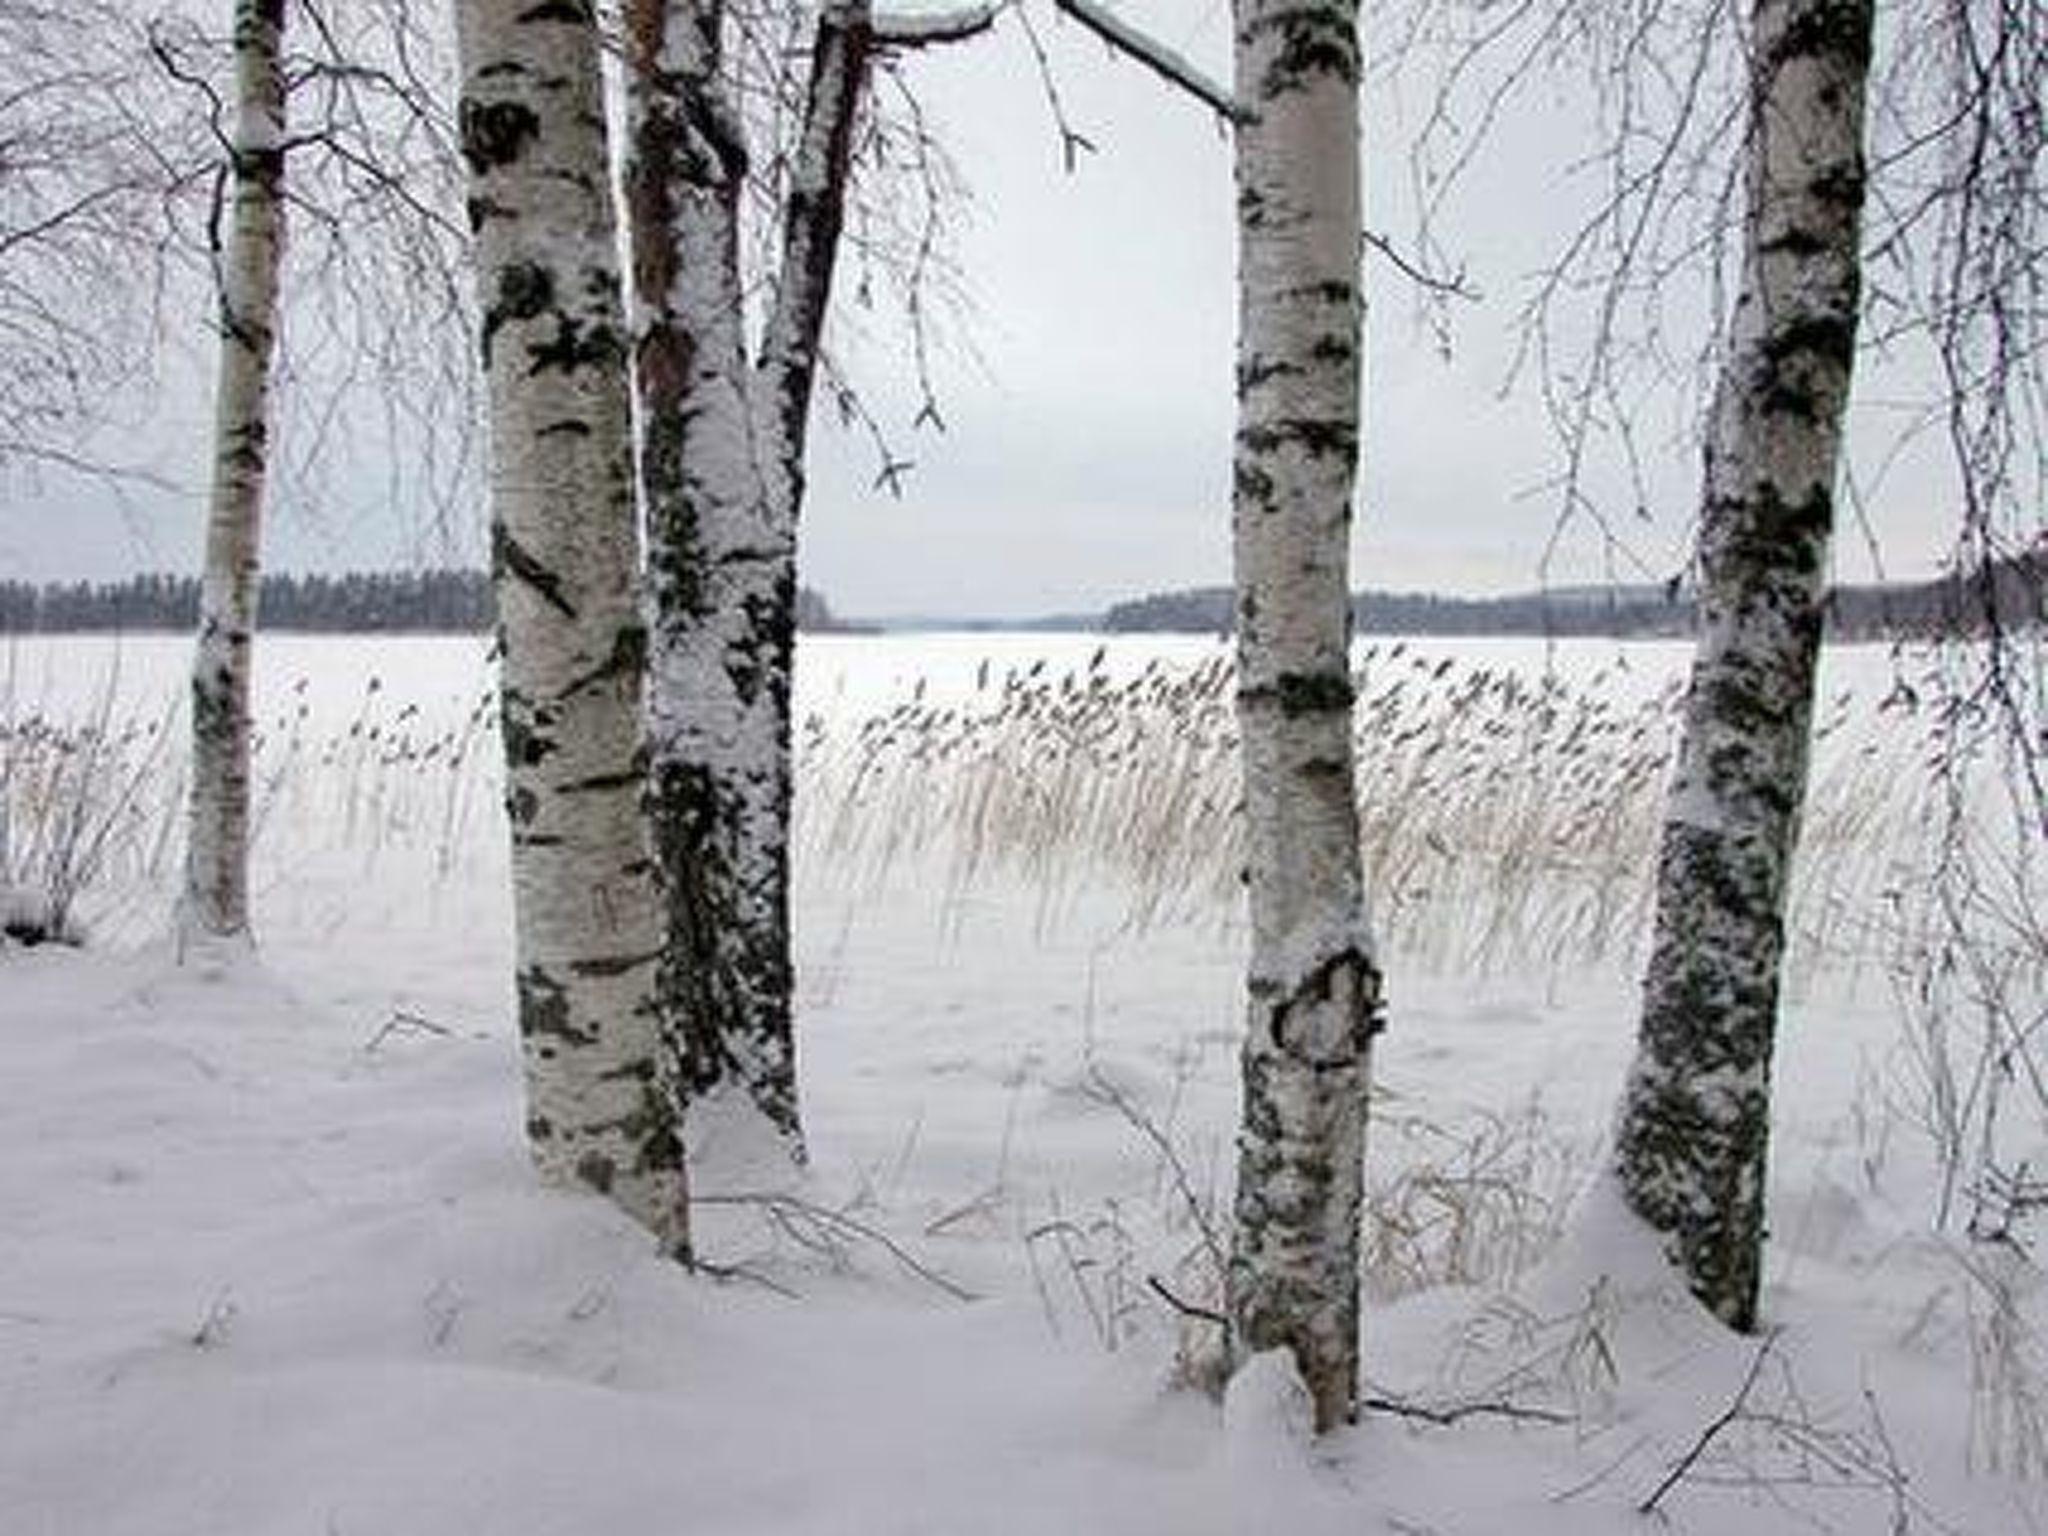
pixel 570 13
pixel 1842 185
pixel 597 1170
pixel 496 133
pixel 1315 40
pixel 626 663
pixel 522 805
pixel 539 1128
pixel 1303 693
pixel 544 1010
pixel 245 452
pixel 1837 31
pixel 1770 549
pixel 602 783
pixel 649 1126
pixel 1313 693
pixel 526 747
pixel 1829 337
pixel 481 209
pixel 1250 375
pixel 675 566
pixel 525 290
pixel 611 965
pixel 575 346
pixel 510 558
pixel 1319 438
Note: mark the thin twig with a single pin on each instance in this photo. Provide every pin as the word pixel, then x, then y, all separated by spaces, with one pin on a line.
pixel 1445 1417
pixel 1707 1436
pixel 1103 1089
pixel 404 1020
pixel 781 1207
pixel 1456 286
pixel 1183 1307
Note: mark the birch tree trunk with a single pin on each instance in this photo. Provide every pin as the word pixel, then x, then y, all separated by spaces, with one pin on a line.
pixel 722 475
pixel 1695 1118
pixel 602 1108
pixel 1313 983
pixel 216 896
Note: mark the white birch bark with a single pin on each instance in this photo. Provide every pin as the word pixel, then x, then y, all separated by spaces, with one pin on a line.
pixel 216 896
pixel 1695 1118
pixel 1313 983
pixel 722 474
pixel 602 1106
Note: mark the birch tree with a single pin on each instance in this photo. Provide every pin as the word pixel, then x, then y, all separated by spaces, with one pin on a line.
pixel 602 1110
pixel 1695 1118
pixel 1933 273
pixel 722 469
pixel 216 900
pixel 1314 986
pixel 365 163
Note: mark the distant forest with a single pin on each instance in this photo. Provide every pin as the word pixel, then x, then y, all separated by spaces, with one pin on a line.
pixel 422 602
pixel 383 602
pixel 2013 594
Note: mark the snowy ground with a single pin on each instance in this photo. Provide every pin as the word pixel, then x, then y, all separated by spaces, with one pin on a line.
pixel 271 1259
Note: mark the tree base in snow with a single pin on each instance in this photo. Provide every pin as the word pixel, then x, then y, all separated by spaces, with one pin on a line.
pixel 29 918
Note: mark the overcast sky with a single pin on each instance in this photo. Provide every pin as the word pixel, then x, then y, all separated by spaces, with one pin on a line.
pixel 1087 394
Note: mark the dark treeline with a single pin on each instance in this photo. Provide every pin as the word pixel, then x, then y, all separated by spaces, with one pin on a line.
pixel 358 603
pixel 2009 595
pixel 386 602
pixel 455 601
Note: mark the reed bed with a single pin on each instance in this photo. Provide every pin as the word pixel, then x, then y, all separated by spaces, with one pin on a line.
pixel 92 808
pixel 1507 821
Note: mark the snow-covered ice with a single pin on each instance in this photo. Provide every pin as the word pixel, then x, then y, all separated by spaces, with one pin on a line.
pixel 272 1259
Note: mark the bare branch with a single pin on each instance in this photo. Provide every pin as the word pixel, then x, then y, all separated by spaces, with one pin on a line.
pixel 1455 286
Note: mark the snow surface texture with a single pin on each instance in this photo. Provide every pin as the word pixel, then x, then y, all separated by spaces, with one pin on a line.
pixel 274 1260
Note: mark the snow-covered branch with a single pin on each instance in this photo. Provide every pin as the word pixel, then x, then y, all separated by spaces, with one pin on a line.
pixel 925 29
pixel 1173 67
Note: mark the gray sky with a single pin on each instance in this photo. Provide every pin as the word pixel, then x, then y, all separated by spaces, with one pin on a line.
pixel 1087 396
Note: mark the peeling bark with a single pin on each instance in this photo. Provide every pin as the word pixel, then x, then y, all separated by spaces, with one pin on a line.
pixel 722 475
pixel 1314 985
pixel 603 1108
pixel 1695 1119
pixel 216 895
